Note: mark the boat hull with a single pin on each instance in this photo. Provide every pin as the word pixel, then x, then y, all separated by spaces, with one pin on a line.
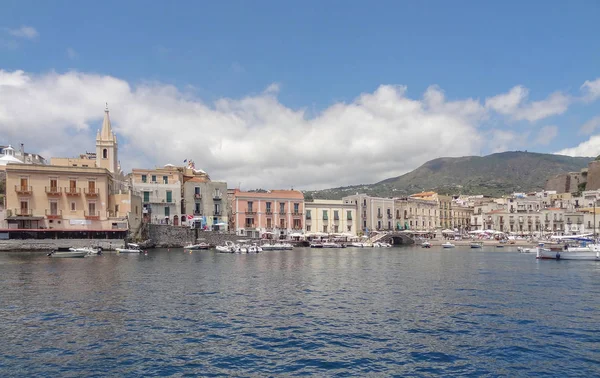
pixel 125 250
pixel 72 254
pixel 568 255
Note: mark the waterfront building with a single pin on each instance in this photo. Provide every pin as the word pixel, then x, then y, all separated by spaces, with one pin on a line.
pixel 445 208
pixel 374 213
pixel 330 217
pixel 160 189
pixel 416 213
pixel 461 217
pixel 66 200
pixel 279 213
pixel 9 154
pixel 205 199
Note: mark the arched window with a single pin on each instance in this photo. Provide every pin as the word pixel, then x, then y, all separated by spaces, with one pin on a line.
pixel 105 153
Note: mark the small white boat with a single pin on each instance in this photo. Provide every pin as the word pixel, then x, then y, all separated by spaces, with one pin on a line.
pixel 332 245
pixel 357 244
pixel 526 250
pixel 426 244
pixel 547 254
pixel 129 248
pixel 90 251
pixel 229 247
pixel 316 245
pixel 381 245
pixel 67 252
pixel 448 245
pixel 476 245
pixel 197 246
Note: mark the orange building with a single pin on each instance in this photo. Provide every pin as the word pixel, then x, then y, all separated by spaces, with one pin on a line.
pixel 276 212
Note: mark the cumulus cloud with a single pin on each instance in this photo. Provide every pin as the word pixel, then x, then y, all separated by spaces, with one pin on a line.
pixel 26 32
pixel 590 147
pixel 502 140
pixel 255 140
pixel 514 104
pixel 546 135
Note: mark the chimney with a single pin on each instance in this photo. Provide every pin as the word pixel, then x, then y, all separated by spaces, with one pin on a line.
pixel 23 151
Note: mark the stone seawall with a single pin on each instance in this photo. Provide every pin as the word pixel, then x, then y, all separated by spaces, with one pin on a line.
pixel 50 244
pixel 165 236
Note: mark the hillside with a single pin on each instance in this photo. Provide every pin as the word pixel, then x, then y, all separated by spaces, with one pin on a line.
pixel 495 174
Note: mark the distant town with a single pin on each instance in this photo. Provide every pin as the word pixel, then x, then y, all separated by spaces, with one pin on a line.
pixel 89 196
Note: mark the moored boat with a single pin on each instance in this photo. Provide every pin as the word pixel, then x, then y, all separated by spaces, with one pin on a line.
pixel 547 254
pixel 426 244
pixel 332 245
pixel 476 245
pixel 67 252
pixel 447 245
pixel 197 246
pixel 129 248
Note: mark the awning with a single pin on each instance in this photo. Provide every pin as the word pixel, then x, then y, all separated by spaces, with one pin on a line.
pixel 17 217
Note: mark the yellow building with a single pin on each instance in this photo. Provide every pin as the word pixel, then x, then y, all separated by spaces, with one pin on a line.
pixel 331 217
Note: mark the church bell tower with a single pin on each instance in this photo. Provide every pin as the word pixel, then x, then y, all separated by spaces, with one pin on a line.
pixel 106 146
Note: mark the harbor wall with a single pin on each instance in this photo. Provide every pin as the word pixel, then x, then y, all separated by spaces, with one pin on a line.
pixel 50 244
pixel 166 236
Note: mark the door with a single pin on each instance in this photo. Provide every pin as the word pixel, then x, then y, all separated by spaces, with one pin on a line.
pixel 53 208
pixel 24 183
pixel 24 208
pixel 92 208
pixel 72 186
pixel 92 186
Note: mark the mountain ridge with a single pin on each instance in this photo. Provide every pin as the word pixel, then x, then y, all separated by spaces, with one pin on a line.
pixel 494 174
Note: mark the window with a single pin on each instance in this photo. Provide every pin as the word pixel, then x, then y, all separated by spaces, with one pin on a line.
pixel 336 228
pixel 349 215
pixel 349 228
pixel 217 209
pixel 153 178
pixel 53 208
pixel 54 185
pixel 167 211
pixel 197 208
pixel 282 208
pixel 325 216
pixel 92 186
pixel 325 228
pixel 73 207
pixel 105 154
pixel 92 208
pixel 250 204
pixel 365 224
pixel 249 222
pixel 296 208
pixel 146 196
pixel 297 224
pixel 116 208
pixel 308 228
pixel 169 196
pixel 268 207
pixel 144 178
pixel 282 223
pixel 308 216
pixel 165 179
pixel 197 190
pixel 336 215
pixel 24 208
pixel 269 223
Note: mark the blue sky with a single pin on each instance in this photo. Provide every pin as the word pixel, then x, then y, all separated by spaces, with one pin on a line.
pixel 320 53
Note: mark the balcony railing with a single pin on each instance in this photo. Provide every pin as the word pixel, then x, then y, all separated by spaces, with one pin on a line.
pixel 249 225
pixel 197 212
pixel 390 216
pixel 20 213
pixel 93 215
pixel 23 189
pixel 336 218
pixel 309 216
pixel 217 197
pixel 91 192
pixel 53 214
pixel 197 196
pixel 217 213
pixel 282 212
pixel 53 190
pixel 379 215
pixel 296 214
pixel 250 212
pixel 269 212
pixel 72 191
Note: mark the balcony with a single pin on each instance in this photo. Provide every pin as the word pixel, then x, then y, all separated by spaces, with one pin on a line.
pixel 53 214
pixel 217 213
pixel 20 213
pixel 308 216
pixel 217 196
pixel 282 212
pixel 23 189
pixel 91 215
pixel 296 214
pixel 53 191
pixel 72 191
pixel 269 212
pixel 197 196
pixel 297 228
pixel 249 225
pixel 91 192
pixel 390 216
pixel 379 216
pixel 196 213
pixel 250 212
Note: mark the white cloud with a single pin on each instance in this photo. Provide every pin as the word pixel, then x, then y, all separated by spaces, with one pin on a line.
pixel 590 126
pixel 514 104
pixel 254 140
pixel 71 53
pixel 26 32
pixel 591 90
pixel 546 135
pixel 503 140
pixel 590 147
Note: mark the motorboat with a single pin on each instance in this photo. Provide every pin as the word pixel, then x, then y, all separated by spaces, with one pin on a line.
pixel 277 246
pixel 129 248
pixel 197 246
pixel 526 250
pixel 381 245
pixel 316 245
pixel 67 252
pixel 448 245
pixel 426 244
pixel 476 245
pixel 357 244
pixel 332 245
pixel 90 251
pixel 229 247
pixel 548 254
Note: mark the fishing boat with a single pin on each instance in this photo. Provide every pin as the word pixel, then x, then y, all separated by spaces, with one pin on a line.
pixel 548 254
pixel 129 248
pixel 476 245
pixel 448 245
pixel 67 252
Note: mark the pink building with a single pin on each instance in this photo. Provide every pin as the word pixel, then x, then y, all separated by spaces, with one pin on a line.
pixel 276 213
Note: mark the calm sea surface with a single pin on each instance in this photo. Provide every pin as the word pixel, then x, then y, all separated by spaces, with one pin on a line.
pixel 348 312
